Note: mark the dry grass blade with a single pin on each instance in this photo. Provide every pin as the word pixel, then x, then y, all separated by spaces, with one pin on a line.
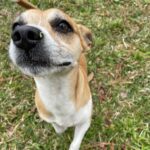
pixel 101 146
pixel 90 76
pixel 15 128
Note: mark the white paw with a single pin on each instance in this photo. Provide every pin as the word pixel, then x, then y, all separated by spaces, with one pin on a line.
pixel 73 147
pixel 59 129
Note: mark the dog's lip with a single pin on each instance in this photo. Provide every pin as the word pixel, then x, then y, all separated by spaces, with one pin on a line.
pixel 64 64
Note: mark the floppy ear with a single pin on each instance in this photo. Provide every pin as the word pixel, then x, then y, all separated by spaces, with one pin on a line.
pixel 86 36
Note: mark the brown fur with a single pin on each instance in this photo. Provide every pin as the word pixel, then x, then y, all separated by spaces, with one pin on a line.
pixel 82 90
pixel 40 107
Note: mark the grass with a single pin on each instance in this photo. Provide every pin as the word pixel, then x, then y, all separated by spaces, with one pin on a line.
pixel 120 61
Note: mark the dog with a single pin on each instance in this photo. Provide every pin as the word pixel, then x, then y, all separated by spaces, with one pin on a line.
pixel 50 47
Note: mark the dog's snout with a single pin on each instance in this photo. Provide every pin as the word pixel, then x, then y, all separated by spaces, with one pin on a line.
pixel 26 37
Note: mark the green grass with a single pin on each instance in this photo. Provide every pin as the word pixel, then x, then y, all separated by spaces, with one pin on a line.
pixel 120 61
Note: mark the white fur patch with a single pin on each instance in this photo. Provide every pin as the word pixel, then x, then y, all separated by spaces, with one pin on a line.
pixel 55 97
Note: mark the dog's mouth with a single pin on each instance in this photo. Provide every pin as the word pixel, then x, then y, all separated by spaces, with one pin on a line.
pixel 33 68
pixel 35 58
pixel 64 64
pixel 31 63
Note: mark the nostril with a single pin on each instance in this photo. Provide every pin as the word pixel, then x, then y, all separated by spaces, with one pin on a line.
pixel 16 36
pixel 35 36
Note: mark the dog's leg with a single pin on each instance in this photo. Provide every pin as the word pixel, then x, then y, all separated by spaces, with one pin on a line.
pixel 58 129
pixel 80 131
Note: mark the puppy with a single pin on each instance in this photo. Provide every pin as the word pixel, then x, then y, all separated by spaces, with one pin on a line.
pixel 49 46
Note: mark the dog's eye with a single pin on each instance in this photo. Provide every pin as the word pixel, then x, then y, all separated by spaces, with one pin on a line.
pixel 63 27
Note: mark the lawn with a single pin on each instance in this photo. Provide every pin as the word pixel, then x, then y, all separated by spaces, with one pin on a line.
pixel 120 62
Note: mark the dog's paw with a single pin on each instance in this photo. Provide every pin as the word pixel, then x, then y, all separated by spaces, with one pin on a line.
pixel 59 129
pixel 73 147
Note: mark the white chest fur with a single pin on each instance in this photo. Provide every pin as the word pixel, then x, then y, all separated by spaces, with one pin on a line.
pixel 54 92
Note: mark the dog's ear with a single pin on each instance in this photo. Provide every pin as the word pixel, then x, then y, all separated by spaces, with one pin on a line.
pixel 86 36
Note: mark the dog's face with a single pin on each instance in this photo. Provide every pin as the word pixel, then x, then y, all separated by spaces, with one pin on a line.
pixel 45 42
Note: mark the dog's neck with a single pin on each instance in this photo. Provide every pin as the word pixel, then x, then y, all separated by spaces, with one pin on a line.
pixel 57 84
pixel 72 85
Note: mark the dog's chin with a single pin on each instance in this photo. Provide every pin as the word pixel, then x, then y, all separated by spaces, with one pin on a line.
pixel 45 71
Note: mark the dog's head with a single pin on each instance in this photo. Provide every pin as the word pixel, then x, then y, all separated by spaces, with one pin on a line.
pixel 45 42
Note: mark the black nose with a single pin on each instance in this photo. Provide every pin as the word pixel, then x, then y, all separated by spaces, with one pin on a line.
pixel 26 37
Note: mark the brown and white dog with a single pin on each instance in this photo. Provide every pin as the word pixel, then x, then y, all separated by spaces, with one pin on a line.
pixel 49 46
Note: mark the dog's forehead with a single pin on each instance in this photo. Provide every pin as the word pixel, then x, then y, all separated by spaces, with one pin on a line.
pixel 53 13
pixel 36 15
